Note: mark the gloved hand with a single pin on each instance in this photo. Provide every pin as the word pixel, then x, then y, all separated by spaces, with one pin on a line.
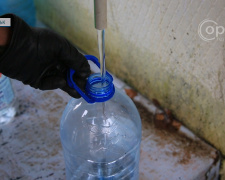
pixel 41 58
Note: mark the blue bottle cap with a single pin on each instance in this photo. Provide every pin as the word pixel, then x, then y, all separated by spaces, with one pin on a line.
pixel 96 90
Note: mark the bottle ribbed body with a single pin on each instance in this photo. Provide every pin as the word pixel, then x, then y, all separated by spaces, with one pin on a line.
pixel 101 140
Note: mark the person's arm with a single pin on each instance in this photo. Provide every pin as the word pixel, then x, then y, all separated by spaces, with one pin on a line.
pixel 5 35
pixel 40 57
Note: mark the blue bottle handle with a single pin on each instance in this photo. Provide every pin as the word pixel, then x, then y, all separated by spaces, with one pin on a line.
pixel 73 85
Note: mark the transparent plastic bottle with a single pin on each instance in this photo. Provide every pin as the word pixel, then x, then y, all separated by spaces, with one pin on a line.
pixel 7 100
pixel 101 140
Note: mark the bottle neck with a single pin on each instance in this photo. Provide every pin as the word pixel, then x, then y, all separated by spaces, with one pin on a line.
pixel 98 90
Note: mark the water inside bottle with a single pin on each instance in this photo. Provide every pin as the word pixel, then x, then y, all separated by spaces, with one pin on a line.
pixel 107 157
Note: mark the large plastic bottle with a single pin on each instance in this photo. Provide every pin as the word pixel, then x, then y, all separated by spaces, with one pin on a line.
pixel 8 104
pixel 101 138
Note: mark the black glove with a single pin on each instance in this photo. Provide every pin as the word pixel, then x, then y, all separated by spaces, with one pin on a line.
pixel 41 58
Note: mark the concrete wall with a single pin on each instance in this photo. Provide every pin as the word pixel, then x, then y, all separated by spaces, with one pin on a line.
pixel 154 46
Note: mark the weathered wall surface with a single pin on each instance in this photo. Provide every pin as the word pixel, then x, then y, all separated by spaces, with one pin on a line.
pixel 155 47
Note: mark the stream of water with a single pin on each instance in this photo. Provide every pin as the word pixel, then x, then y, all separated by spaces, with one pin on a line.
pixel 101 49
